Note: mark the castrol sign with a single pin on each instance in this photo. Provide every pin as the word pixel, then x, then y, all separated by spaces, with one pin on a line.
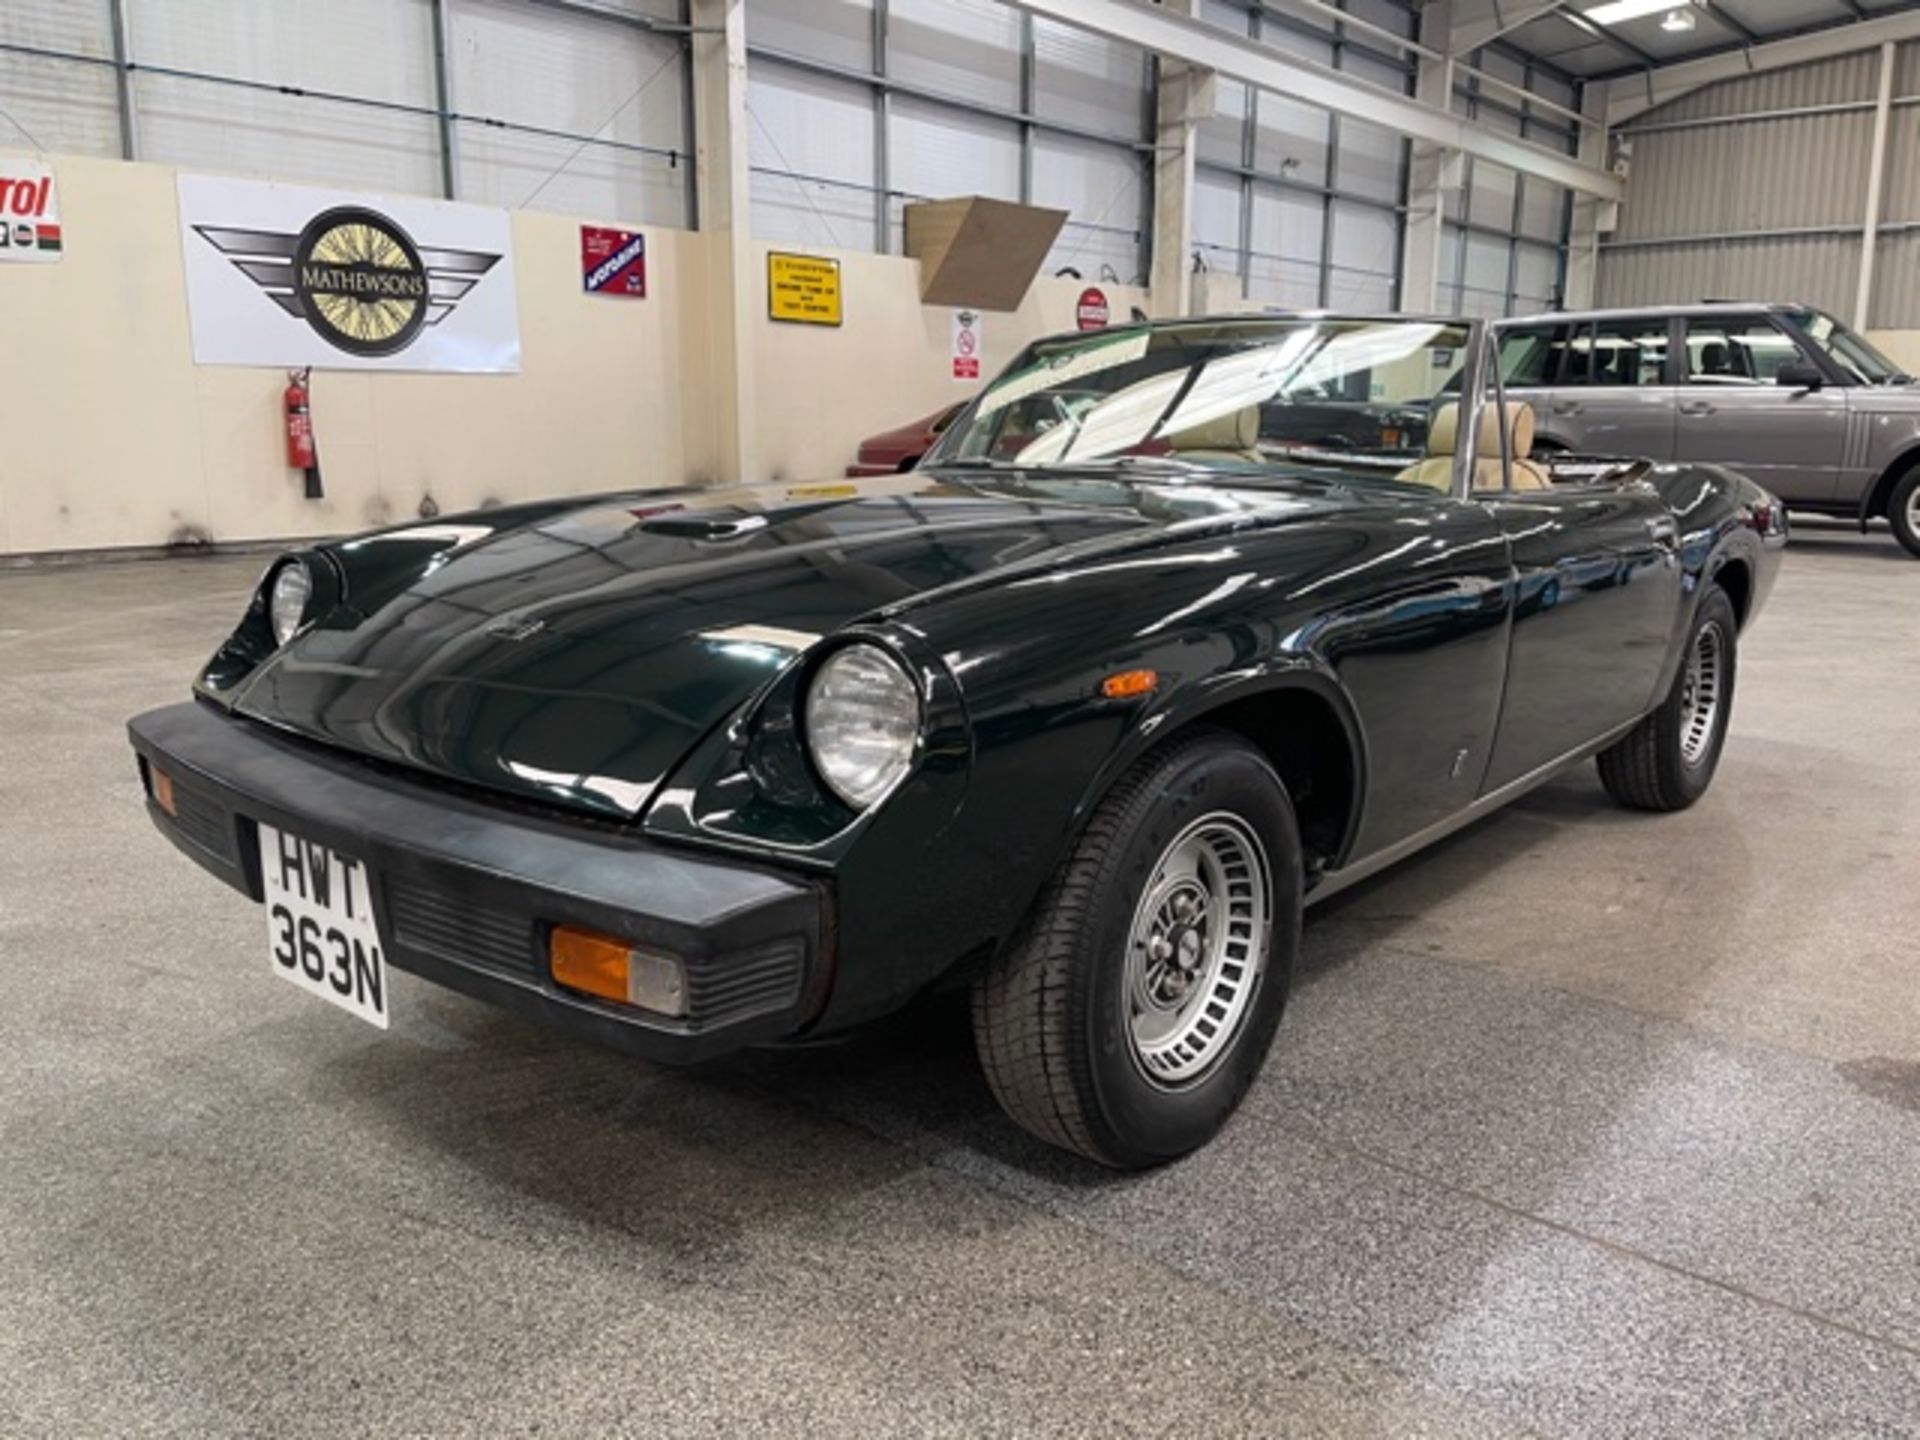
pixel 29 211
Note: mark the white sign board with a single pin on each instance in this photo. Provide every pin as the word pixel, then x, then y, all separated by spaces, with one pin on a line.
pixel 290 275
pixel 29 212
pixel 966 345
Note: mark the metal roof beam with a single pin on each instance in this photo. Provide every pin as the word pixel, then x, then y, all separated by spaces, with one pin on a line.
pixel 1162 32
pixel 1629 96
pixel 1485 21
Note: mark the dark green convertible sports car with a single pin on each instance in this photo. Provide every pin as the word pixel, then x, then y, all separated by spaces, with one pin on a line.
pixel 1079 714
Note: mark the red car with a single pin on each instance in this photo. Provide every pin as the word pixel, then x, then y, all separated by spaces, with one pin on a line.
pixel 892 451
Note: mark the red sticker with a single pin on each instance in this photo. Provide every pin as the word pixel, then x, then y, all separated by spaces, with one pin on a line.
pixel 1092 313
pixel 613 262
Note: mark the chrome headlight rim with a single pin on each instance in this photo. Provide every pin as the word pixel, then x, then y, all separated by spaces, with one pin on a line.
pixel 283 569
pixel 834 663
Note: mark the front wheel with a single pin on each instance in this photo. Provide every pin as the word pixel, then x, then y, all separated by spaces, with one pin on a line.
pixel 1667 761
pixel 1903 511
pixel 1132 1013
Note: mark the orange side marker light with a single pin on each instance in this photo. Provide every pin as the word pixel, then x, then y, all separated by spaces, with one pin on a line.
pixel 1129 683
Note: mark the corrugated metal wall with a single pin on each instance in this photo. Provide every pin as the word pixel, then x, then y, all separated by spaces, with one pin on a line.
pixel 1756 188
pixel 580 110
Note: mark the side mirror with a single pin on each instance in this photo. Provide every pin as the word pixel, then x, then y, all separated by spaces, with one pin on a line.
pixel 1799 375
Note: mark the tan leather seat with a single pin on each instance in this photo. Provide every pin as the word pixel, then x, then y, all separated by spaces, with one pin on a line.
pixel 1233 436
pixel 1443 436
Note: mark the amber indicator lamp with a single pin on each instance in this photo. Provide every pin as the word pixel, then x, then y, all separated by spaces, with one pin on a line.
pixel 1128 683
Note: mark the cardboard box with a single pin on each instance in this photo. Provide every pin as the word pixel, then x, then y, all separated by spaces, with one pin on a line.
pixel 977 252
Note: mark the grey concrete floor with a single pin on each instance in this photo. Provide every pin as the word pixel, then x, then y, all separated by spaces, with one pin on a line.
pixel 1585 1123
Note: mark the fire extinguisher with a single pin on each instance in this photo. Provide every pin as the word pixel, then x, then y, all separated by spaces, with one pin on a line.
pixel 302 453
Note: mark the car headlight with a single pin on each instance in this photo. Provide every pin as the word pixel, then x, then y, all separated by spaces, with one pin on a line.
pixel 287 602
pixel 862 723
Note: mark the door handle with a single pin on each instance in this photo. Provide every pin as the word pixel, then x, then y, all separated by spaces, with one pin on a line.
pixel 1696 407
pixel 1566 407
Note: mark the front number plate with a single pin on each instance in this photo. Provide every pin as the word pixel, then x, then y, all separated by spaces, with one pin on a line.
pixel 320 927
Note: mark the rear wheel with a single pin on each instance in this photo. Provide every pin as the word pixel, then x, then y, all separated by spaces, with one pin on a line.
pixel 1132 1013
pixel 1667 761
pixel 1903 511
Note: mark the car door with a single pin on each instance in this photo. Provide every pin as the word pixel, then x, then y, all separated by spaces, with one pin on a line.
pixel 1614 395
pixel 1733 413
pixel 1597 577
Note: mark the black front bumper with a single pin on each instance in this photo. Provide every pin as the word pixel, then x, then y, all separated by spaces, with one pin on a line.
pixel 466 892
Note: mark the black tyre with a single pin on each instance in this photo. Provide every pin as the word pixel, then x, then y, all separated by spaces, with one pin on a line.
pixel 1129 1017
pixel 1667 761
pixel 1903 511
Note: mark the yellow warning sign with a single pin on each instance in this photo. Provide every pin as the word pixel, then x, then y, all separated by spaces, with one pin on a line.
pixel 803 288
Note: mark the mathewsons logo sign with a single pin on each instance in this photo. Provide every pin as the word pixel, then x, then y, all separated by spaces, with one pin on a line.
pixel 288 275
pixel 29 212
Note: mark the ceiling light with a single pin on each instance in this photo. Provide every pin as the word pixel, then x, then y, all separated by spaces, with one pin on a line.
pixel 1616 11
pixel 1678 22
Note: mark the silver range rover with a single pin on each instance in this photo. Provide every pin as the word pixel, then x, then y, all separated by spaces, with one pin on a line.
pixel 1784 393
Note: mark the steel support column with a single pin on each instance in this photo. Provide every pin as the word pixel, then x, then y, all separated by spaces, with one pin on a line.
pixel 443 95
pixel 1590 215
pixel 1876 188
pixel 1431 169
pixel 733 283
pixel 123 78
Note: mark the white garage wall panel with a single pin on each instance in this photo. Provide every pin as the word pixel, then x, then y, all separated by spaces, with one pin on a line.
pixel 836 32
pixel 1504 243
pixel 1322 196
pixel 1216 222
pixel 1103 190
pixel 1222 135
pixel 63 105
pixel 938 152
pixel 810 142
pixel 961 97
pixel 1536 278
pixel 1287 241
pixel 1366 258
pixel 1090 82
pixel 1291 140
pixel 346 93
pixel 1368 162
pixel 574 75
pixel 969 49
pixel 202 124
pixel 1221 138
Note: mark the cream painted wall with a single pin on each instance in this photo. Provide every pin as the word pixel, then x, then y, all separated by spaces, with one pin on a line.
pixel 1900 346
pixel 819 390
pixel 114 437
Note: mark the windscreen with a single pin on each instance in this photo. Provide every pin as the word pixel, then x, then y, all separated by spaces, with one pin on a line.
pixel 1356 395
pixel 1863 364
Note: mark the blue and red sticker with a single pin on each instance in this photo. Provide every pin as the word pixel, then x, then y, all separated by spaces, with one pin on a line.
pixel 613 262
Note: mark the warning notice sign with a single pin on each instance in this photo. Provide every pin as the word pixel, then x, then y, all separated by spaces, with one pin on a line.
pixel 804 289
pixel 966 345
pixel 613 262
pixel 29 211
